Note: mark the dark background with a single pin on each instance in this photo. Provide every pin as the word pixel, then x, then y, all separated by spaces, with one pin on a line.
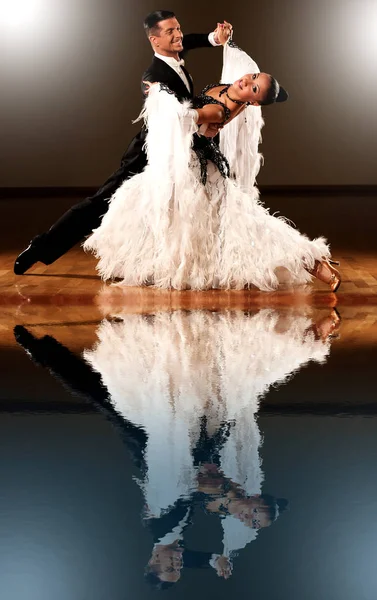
pixel 69 80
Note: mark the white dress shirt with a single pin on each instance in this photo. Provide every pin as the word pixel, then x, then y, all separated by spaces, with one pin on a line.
pixel 174 64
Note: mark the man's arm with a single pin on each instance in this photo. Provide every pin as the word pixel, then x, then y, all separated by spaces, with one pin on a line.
pixel 218 37
pixel 191 41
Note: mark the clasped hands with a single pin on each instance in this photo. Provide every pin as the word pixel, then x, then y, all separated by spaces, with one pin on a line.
pixel 223 32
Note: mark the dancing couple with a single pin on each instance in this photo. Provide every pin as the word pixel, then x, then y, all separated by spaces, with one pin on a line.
pixel 186 407
pixel 182 211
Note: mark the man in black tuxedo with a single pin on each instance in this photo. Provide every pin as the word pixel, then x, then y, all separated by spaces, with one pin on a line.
pixel 164 33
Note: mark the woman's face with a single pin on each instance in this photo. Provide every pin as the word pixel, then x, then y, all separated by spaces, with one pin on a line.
pixel 254 512
pixel 253 87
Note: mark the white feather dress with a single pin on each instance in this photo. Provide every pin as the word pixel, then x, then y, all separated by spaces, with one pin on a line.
pixel 163 375
pixel 165 228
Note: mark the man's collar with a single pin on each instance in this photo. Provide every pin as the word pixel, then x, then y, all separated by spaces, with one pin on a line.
pixel 170 60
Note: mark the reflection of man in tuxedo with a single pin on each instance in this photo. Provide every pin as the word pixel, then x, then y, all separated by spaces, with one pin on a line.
pixel 168 555
pixel 241 512
pixel 170 45
pixel 241 516
pixel 80 380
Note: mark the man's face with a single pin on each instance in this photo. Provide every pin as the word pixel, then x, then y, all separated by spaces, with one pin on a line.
pixel 166 562
pixel 253 87
pixel 169 40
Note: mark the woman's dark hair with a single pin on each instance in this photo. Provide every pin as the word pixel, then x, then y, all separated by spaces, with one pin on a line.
pixel 151 22
pixel 275 505
pixel 153 580
pixel 275 93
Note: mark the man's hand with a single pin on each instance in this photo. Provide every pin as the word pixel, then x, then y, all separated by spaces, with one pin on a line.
pixel 223 32
pixel 148 85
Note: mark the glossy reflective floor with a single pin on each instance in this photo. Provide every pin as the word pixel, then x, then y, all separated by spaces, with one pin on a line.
pixel 199 453
pixel 199 445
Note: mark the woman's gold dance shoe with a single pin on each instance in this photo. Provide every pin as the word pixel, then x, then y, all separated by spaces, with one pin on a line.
pixel 324 271
pixel 327 328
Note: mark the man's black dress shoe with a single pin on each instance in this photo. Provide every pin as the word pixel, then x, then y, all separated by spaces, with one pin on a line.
pixel 23 337
pixel 27 258
pixel 33 346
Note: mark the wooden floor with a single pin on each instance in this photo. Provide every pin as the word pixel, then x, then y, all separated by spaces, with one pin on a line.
pixel 69 295
pixel 73 280
pixel 70 292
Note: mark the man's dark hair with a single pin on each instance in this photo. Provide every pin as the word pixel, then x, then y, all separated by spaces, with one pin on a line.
pixel 151 22
pixel 275 93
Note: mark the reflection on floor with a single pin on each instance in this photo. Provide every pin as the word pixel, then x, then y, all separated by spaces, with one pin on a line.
pixel 186 405
pixel 75 323
pixel 183 390
pixel 229 405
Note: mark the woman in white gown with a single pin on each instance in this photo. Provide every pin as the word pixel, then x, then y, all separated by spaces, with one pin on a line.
pixel 192 219
pixel 163 375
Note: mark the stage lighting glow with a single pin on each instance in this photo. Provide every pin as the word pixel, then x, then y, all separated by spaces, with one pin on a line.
pixel 19 14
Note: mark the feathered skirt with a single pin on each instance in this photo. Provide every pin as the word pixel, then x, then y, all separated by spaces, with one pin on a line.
pixel 199 237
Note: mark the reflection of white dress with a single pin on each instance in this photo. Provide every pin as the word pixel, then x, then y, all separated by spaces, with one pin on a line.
pixel 165 227
pixel 165 371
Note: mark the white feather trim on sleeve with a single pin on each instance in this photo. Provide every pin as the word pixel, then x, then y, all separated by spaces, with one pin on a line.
pixel 240 138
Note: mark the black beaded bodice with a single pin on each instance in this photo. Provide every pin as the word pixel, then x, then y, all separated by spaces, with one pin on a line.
pixel 206 148
pixel 203 99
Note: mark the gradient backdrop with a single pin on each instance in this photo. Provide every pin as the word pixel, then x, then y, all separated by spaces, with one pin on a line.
pixel 70 72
